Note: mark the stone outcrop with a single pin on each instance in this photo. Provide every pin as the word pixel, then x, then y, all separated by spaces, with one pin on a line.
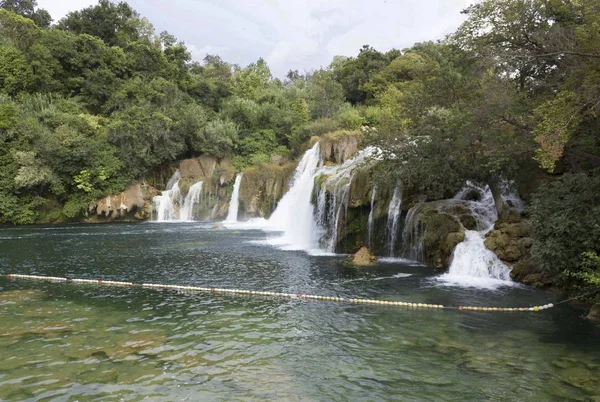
pixel 511 239
pixel 363 258
pixel 340 145
pixel 439 232
pixel 132 204
pixel 262 187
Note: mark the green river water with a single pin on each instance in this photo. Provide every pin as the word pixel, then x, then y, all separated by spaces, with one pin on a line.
pixel 69 342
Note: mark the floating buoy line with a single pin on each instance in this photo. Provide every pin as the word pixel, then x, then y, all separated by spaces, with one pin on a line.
pixel 212 290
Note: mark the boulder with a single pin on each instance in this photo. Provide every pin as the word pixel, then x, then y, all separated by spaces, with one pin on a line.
pixel 364 258
pixel 511 239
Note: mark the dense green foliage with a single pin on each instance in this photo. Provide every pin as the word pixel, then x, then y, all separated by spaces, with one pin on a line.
pixel 98 100
pixel 566 214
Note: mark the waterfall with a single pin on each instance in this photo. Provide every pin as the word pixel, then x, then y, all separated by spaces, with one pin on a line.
pixel 370 221
pixel 394 211
pixel 167 204
pixel 306 226
pixel 213 212
pixel 186 212
pixel 173 180
pixel 234 204
pixel 473 260
pixel 413 234
pixel 340 207
pixel 333 198
pixel 473 264
pixel 294 213
pixel 274 196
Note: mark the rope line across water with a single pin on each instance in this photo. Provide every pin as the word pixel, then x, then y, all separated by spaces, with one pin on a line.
pixel 272 294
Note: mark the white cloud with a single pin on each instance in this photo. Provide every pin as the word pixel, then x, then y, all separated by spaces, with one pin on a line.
pixel 292 34
pixel 60 8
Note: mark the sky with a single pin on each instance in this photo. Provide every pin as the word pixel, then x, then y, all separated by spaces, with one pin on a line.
pixel 299 35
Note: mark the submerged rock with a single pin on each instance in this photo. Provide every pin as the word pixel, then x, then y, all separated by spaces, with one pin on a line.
pixel 363 258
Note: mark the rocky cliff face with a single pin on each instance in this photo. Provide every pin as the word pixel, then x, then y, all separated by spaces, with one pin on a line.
pixel 132 204
pixel 262 187
pixel 338 146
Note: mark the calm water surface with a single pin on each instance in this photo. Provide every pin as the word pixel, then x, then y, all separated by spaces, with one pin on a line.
pixel 68 342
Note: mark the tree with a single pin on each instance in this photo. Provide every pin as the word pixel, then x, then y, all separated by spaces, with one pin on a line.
pixel 15 74
pixel 566 217
pixel 551 49
pixel 114 23
pixel 251 81
pixel 325 95
pixel 27 8
pixel 355 73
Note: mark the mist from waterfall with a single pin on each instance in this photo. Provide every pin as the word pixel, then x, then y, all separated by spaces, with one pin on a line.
pixel 232 214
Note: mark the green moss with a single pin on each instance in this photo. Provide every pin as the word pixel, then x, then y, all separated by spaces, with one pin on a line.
pixel 360 191
pixel 320 180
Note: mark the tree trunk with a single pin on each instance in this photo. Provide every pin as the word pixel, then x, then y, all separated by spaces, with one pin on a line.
pixel 494 185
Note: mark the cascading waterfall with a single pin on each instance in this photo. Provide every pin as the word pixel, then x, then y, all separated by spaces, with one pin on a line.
pixel 340 207
pixel 333 198
pixel 234 204
pixel 394 212
pixel 413 234
pixel 186 213
pixel 167 204
pixel 172 206
pixel 473 264
pixel 370 221
pixel 294 213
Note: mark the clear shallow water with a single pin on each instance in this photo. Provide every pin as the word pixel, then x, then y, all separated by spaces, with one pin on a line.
pixel 72 342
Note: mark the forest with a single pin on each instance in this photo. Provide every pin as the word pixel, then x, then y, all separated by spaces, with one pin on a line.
pixel 95 101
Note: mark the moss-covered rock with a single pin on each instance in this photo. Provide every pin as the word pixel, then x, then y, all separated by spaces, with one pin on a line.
pixel 511 239
pixel 441 235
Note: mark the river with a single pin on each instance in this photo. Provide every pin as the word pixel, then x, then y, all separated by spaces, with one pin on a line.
pixel 89 342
